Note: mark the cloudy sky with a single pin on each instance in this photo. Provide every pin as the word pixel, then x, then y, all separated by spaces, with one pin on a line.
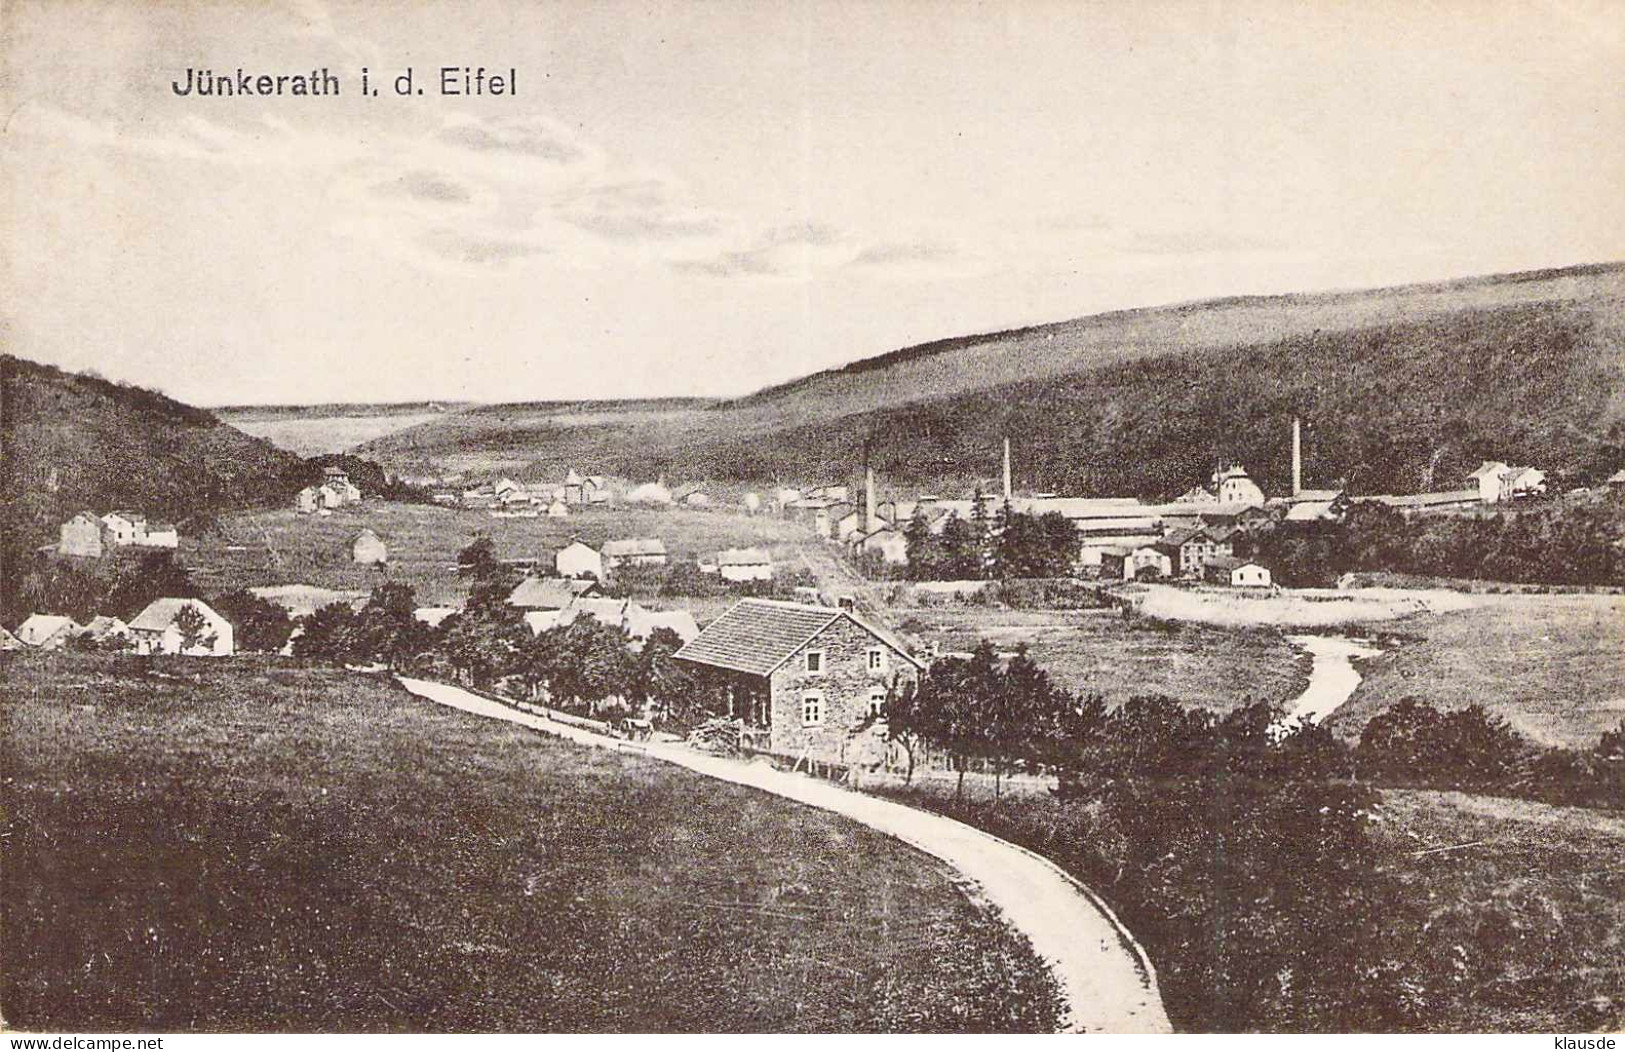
pixel 702 198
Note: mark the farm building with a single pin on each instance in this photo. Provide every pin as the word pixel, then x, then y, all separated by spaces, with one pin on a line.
pixel 550 593
pixel 810 676
pixel 161 535
pixel 368 549
pixel 576 559
pixel 1497 482
pixel 558 510
pixel 584 489
pixel 744 564
pixel 47 631
pixel 103 627
pixel 81 535
pixel 337 482
pixel 308 501
pixel 9 641
pixel 752 503
pixel 625 614
pixel 1238 573
pixel 159 630
pixel 634 551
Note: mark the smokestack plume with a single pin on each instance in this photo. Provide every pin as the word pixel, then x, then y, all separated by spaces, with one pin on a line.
pixel 871 514
pixel 1297 457
pixel 1007 469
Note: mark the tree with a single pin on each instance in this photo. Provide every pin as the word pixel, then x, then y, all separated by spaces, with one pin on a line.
pixel 926 553
pixel 330 633
pixel 387 626
pixel 478 559
pixel 156 575
pixel 194 630
pixel 258 625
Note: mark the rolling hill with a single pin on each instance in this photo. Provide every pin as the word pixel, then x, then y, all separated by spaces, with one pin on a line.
pixel 70 441
pixel 1401 389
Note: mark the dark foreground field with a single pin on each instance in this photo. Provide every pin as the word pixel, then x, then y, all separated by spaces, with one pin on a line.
pixel 258 846
pixel 1269 911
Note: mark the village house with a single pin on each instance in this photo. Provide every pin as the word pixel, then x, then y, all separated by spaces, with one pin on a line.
pixel 1196 545
pixel 82 536
pixel 104 628
pixel 577 559
pixel 1498 482
pixel 47 631
pixel 1127 564
pixel 1236 487
pixel 558 509
pixel 550 593
pixel 584 489
pixel 1237 573
pixel 634 551
pixel 744 564
pixel 123 527
pixel 626 614
pixel 812 677
pixel 9 641
pixel 368 549
pixel 160 535
pixel 887 542
pixel 155 631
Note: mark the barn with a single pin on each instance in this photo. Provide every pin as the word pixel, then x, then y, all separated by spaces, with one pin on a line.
pixel 368 549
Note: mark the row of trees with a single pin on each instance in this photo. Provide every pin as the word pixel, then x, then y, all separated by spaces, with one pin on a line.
pixel 1011 716
pixel 584 666
pixel 1006 544
pixel 1547 544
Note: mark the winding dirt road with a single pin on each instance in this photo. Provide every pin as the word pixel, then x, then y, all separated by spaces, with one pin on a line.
pixel 1107 979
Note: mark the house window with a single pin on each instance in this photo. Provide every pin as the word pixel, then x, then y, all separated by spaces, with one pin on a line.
pixel 815 662
pixel 812 709
pixel 877 659
pixel 877 701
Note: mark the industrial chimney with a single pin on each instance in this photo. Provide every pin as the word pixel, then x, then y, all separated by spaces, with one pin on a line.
pixel 1007 470
pixel 871 514
pixel 1297 457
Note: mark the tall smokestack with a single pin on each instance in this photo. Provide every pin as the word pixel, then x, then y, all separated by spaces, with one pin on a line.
pixel 1297 457
pixel 1007 469
pixel 871 514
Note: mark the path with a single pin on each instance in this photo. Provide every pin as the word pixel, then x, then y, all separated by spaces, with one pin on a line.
pixel 1104 974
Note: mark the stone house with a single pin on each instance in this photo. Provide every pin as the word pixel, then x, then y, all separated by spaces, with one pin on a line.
pixel 813 677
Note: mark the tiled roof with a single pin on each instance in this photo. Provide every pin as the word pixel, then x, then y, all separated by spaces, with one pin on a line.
pixel 547 593
pixel 161 613
pixel 756 636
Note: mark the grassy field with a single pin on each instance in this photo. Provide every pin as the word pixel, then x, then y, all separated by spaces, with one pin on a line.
pixel 1479 914
pixel 1552 666
pixel 1101 651
pixel 314 434
pixel 284 547
pixel 259 846
pixel 1530 913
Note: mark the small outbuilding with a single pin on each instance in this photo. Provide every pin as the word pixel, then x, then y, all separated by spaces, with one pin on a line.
pixel 47 631
pixel 577 559
pixel 1237 573
pixel 368 549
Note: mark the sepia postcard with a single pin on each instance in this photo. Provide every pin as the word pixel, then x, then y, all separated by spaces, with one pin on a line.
pixel 811 516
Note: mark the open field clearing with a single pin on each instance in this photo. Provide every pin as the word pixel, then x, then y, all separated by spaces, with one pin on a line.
pixel 1297 608
pixel 1101 651
pixel 1552 666
pixel 283 547
pixel 309 436
pixel 259 846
